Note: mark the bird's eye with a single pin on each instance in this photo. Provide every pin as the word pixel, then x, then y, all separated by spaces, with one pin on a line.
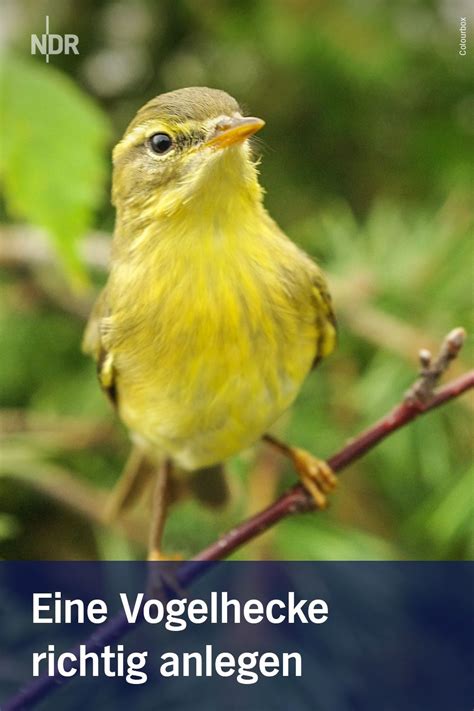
pixel 160 143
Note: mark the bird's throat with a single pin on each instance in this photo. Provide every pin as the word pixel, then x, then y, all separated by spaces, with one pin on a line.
pixel 220 204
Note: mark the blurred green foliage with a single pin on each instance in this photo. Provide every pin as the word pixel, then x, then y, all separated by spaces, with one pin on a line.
pixel 52 169
pixel 368 160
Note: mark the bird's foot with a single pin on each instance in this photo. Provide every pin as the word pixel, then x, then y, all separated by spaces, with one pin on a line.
pixel 315 475
pixel 156 555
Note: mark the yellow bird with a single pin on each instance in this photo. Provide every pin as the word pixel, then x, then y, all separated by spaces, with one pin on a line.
pixel 211 317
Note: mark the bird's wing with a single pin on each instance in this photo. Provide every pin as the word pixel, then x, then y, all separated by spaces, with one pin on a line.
pixel 93 344
pixel 325 318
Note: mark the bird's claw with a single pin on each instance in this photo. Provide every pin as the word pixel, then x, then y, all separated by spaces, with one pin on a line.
pixel 315 475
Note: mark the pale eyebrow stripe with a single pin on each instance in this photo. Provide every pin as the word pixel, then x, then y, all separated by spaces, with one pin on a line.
pixel 142 132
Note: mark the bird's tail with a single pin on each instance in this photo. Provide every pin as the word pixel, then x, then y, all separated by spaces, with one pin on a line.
pixel 210 486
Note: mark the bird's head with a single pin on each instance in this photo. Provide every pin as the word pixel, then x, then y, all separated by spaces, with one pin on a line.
pixel 184 148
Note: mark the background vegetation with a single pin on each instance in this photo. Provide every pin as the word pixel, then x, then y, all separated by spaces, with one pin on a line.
pixel 368 158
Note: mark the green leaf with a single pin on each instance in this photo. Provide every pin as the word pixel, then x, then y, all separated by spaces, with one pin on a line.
pixel 53 167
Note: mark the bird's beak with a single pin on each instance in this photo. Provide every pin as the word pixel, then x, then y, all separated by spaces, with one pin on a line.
pixel 230 131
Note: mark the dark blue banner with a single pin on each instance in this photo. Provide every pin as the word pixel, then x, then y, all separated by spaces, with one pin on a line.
pixel 235 635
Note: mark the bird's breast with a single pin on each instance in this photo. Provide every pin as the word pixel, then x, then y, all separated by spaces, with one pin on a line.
pixel 214 346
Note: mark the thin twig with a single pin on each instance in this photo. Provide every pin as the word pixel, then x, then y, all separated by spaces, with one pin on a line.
pixel 432 370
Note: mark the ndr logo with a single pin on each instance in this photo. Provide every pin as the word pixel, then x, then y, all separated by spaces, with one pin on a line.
pixel 54 44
